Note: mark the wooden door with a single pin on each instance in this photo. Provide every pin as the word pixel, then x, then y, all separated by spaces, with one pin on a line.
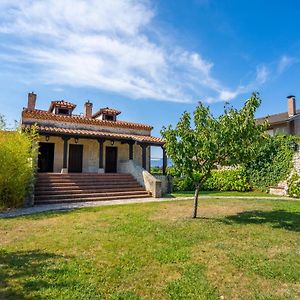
pixel 46 157
pixel 75 158
pixel 111 159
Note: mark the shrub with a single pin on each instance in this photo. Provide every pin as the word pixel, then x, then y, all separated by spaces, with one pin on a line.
pixel 156 170
pixel 17 157
pixel 294 186
pixel 228 180
pixel 219 180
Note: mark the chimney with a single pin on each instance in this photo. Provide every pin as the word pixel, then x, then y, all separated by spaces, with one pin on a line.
pixel 31 101
pixel 291 105
pixel 88 109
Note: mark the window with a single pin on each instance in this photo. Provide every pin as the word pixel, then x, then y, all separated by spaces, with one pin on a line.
pixel 108 118
pixel 63 111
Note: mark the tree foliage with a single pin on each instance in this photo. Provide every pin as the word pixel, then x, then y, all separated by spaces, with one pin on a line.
pixel 196 146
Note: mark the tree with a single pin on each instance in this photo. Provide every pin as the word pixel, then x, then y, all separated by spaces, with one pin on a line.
pixel 230 139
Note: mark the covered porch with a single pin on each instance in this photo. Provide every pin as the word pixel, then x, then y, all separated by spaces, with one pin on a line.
pixel 88 151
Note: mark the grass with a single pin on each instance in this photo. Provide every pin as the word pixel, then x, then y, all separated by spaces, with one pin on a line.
pixel 238 249
pixel 218 193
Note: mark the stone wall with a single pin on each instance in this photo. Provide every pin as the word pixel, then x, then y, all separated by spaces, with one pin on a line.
pixel 151 184
pixel 166 183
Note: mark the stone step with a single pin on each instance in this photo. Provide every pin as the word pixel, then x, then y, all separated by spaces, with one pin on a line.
pixel 277 190
pixel 72 200
pixel 96 177
pixel 87 183
pixel 55 191
pixel 61 188
pixel 84 175
pixel 88 195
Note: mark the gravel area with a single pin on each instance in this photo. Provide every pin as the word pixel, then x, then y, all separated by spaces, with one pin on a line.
pixel 70 206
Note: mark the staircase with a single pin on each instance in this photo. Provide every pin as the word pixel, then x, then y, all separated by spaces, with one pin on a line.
pixel 80 187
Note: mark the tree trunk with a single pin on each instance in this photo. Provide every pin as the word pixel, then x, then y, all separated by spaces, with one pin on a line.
pixel 196 201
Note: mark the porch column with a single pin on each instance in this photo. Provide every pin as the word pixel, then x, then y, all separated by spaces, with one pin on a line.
pixel 65 155
pixel 101 142
pixel 144 155
pixel 130 144
pixel 165 162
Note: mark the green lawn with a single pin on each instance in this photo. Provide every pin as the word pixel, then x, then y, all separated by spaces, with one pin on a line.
pixel 218 193
pixel 239 249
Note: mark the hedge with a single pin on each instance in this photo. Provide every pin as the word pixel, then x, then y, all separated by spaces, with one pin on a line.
pixel 219 180
pixel 228 180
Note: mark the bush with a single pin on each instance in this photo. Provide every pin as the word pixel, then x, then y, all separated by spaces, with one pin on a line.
pixel 219 180
pixel 228 180
pixel 294 186
pixel 17 157
pixel 156 170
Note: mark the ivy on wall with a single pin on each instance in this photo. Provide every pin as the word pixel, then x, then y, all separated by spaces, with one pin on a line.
pixel 294 186
pixel 273 161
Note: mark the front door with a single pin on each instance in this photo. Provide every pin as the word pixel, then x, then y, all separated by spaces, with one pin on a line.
pixel 111 159
pixel 46 157
pixel 75 158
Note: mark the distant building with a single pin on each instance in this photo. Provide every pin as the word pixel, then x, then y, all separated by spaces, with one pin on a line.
pixel 285 122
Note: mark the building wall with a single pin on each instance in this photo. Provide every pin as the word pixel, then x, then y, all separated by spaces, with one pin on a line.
pixel 279 129
pixel 91 153
pixel 297 126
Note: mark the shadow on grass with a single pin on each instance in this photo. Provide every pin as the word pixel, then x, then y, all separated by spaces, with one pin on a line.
pixel 21 272
pixel 278 219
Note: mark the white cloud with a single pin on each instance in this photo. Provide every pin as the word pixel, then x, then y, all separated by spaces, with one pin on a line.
pixel 285 62
pixel 108 45
pixel 262 74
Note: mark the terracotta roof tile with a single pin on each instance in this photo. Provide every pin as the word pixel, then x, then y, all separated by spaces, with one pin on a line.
pixel 106 110
pixel 97 134
pixel 61 104
pixel 44 115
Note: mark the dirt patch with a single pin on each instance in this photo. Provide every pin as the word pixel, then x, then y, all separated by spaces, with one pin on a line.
pixel 176 211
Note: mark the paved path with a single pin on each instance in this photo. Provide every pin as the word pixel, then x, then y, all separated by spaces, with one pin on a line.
pixel 71 206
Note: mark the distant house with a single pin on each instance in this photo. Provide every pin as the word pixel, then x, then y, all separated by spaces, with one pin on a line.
pixel 285 122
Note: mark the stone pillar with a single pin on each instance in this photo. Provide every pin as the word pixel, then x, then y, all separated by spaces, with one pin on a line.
pixel 65 155
pixel 165 161
pixel 101 168
pixel 144 155
pixel 130 144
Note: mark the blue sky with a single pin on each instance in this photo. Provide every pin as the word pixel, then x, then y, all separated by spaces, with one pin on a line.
pixel 150 59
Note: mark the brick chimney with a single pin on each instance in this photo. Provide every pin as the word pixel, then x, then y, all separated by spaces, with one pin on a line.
pixel 88 109
pixel 291 105
pixel 31 101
